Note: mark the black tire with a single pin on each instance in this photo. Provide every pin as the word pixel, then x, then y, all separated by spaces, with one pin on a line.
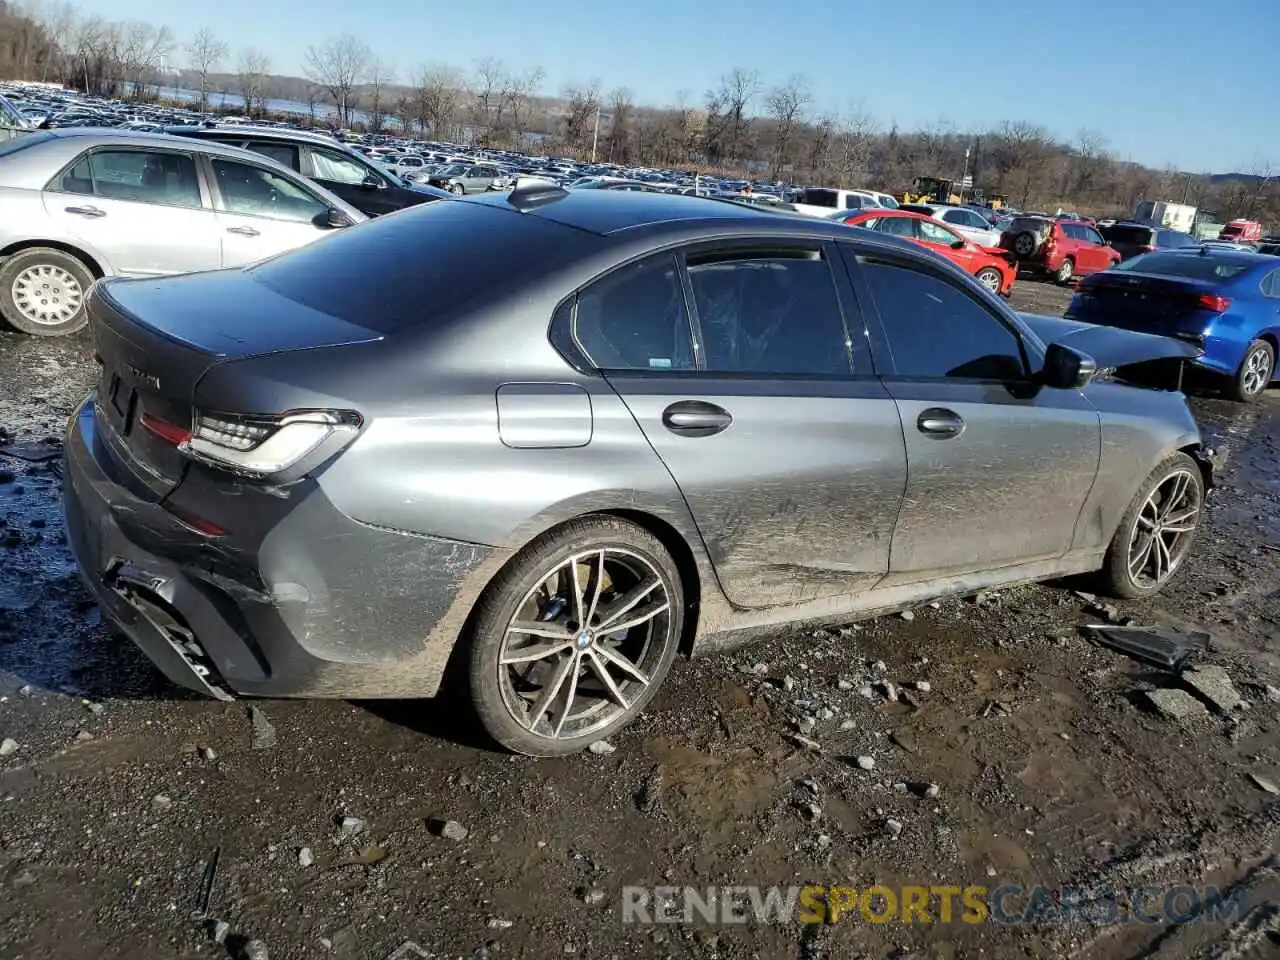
pixel 1025 244
pixel 1249 384
pixel 1115 577
pixel 1065 272
pixel 64 265
pixel 994 281
pixel 457 189
pixel 510 589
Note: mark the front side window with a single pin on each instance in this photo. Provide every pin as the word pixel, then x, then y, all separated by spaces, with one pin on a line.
pixel 635 319
pixel 936 330
pixel 770 314
pixel 336 167
pixel 142 176
pixel 257 192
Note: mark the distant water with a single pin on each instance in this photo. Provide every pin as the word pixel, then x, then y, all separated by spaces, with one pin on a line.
pixel 324 112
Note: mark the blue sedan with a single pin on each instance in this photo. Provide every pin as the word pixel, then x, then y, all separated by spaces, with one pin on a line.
pixel 1225 301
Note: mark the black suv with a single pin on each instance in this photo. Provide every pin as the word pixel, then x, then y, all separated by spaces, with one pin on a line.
pixel 1131 238
pixel 340 170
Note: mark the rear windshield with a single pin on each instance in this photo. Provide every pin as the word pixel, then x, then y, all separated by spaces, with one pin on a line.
pixel 819 197
pixel 1034 224
pixel 408 268
pixel 1140 236
pixel 1208 267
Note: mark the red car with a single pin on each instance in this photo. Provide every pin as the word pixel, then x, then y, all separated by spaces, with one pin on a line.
pixel 1061 248
pixel 992 267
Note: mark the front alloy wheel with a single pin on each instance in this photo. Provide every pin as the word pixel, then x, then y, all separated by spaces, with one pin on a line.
pixel 589 627
pixel 1156 533
pixel 990 278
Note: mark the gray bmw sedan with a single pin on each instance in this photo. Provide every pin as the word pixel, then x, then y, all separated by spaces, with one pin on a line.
pixel 553 439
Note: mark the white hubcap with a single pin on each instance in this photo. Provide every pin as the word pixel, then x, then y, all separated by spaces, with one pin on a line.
pixel 46 294
pixel 989 279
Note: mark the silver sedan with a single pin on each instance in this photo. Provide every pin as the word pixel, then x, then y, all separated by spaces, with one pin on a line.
pixel 82 203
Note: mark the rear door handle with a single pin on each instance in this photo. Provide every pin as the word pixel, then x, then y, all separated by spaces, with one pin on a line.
pixel 243 231
pixel 695 418
pixel 940 422
pixel 86 211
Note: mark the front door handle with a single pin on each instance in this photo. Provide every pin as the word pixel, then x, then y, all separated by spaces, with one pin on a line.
pixel 243 231
pixel 86 211
pixel 695 418
pixel 940 422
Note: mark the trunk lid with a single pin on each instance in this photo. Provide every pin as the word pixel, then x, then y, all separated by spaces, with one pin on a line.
pixel 1146 303
pixel 156 339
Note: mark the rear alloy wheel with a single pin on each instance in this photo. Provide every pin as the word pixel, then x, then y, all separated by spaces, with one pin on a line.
pixel 1255 373
pixel 574 638
pixel 457 189
pixel 1065 272
pixel 1156 532
pixel 990 278
pixel 42 292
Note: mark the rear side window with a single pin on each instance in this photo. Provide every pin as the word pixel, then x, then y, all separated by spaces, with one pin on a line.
pixel 770 314
pixel 283 153
pixel 364 276
pixel 936 330
pixel 142 176
pixel 818 197
pixel 1137 236
pixel 635 319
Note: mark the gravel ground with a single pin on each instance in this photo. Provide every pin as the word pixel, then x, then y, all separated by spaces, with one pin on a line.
pixel 1017 752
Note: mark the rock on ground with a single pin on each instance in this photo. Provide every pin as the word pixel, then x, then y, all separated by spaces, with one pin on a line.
pixel 1176 704
pixel 1212 683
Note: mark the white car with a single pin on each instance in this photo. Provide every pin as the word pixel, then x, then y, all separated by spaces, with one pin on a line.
pixel 963 220
pixel 80 204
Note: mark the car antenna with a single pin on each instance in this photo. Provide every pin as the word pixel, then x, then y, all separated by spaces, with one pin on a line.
pixel 530 193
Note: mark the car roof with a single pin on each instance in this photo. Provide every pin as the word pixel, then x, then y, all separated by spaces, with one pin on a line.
pixel 621 213
pixel 117 136
pixel 247 129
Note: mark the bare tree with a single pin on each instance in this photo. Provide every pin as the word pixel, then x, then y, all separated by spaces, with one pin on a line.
pixel 380 75
pixel 727 110
pixel 338 66
pixel 786 105
pixel 438 96
pixel 854 137
pixel 205 52
pixel 517 90
pixel 490 76
pixel 141 50
pixel 251 73
pixel 579 122
pixel 620 111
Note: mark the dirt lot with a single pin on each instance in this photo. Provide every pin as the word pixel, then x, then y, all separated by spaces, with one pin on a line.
pixel 1019 754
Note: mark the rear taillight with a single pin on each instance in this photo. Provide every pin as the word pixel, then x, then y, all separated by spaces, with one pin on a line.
pixel 267 446
pixel 1211 301
pixel 164 430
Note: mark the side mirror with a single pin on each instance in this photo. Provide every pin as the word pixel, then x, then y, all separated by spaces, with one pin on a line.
pixel 1067 369
pixel 332 220
pixel 957 244
pixel 373 182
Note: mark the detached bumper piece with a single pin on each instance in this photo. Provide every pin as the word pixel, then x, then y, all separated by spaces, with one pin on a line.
pixel 143 595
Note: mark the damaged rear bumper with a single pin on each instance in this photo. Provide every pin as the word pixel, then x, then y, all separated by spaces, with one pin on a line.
pixel 317 605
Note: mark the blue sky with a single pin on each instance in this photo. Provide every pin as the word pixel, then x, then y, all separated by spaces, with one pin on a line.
pixel 1165 81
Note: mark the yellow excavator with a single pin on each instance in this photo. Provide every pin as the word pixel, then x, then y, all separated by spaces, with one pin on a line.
pixel 931 190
